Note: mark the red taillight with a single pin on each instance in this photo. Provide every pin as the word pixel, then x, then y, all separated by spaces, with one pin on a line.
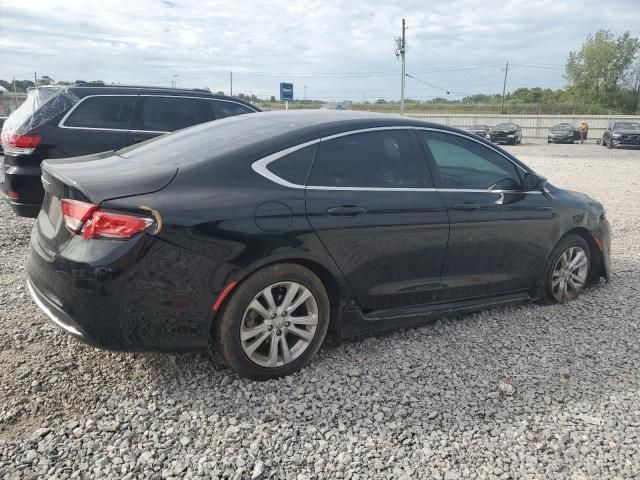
pixel 19 144
pixel 88 219
pixel 25 141
pixel 114 225
pixel 13 195
pixel 76 213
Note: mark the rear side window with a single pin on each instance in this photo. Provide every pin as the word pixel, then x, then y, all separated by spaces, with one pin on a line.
pixel 294 167
pixel 217 109
pixel 102 112
pixel 165 114
pixel 372 159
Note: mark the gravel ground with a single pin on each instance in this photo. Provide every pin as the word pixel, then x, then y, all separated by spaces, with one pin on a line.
pixel 527 392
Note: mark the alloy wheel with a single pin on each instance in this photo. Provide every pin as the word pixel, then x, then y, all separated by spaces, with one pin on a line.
pixel 279 324
pixel 569 274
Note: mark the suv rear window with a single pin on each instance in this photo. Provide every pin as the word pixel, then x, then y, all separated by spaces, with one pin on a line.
pixel 165 114
pixel 112 112
pixel 217 109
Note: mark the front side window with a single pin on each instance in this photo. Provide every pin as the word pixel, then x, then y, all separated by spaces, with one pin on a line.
pixel 381 159
pixel 465 164
pixel 102 112
pixel 165 114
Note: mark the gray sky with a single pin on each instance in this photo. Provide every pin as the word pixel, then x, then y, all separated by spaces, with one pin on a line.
pixel 337 49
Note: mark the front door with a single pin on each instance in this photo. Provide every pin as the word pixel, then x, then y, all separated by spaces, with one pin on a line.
pixel 500 235
pixel 371 202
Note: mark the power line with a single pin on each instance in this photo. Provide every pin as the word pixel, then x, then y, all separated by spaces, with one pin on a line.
pixel 448 91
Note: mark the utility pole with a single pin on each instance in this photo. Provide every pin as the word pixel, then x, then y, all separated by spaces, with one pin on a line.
pixel 35 79
pixel 401 48
pixel 504 87
pixel 231 84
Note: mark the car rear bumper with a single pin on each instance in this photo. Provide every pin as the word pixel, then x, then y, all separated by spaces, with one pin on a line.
pixel 125 298
pixel 56 314
pixel 26 183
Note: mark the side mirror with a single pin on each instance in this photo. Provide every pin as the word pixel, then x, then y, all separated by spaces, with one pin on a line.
pixel 533 181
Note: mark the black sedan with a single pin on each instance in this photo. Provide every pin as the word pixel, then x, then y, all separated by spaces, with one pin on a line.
pixel 480 130
pixel 506 133
pixel 563 133
pixel 257 235
pixel 621 134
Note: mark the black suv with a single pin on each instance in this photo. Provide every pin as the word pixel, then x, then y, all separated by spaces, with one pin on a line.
pixel 58 122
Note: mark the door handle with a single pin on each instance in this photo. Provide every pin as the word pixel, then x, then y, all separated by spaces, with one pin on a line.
pixel 347 210
pixel 139 139
pixel 466 206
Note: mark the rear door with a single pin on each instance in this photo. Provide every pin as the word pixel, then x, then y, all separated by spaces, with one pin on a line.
pixel 155 115
pixel 500 235
pixel 371 202
pixel 95 124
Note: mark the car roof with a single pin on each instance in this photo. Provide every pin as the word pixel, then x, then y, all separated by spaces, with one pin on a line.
pixel 260 134
pixel 86 89
pixel 322 119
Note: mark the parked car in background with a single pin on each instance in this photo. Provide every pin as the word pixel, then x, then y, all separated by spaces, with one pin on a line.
pixel 621 134
pixel 2 120
pixel 506 133
pixel 57 122
pixel 256 235
pixel 480 130
pixel 563 133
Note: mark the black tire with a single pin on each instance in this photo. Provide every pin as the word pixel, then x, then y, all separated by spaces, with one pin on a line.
pixel 226 340
pixel 547 295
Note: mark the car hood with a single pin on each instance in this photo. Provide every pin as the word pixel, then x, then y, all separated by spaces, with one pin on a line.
pixel 503 130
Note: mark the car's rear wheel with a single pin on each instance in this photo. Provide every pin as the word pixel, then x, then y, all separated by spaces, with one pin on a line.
pixel 274 323
pixel 567 270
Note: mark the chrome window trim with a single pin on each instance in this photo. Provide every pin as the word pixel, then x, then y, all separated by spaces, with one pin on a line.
pixel 62 125
pixel 260 166
pixel 228 101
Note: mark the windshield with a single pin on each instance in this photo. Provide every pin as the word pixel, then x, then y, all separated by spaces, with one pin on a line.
pixel 627 126
pixel 510 126
pixel 563 127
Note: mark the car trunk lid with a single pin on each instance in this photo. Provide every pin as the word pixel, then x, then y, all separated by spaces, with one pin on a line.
pixel 93 179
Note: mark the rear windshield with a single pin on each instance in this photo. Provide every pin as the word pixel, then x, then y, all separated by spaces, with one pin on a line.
pixel 40 106
pixel 204 142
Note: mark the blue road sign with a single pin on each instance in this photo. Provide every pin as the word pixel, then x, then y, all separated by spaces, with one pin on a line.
pixel 286 91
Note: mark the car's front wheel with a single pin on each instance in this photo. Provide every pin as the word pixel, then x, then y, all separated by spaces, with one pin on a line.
pixel 274 323
pixel 567 270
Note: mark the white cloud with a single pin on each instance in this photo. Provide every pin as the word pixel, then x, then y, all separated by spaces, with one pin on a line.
pixel 265 42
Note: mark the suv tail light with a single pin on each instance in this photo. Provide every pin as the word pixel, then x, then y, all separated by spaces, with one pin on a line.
pixel 20 144
pixel 92 222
